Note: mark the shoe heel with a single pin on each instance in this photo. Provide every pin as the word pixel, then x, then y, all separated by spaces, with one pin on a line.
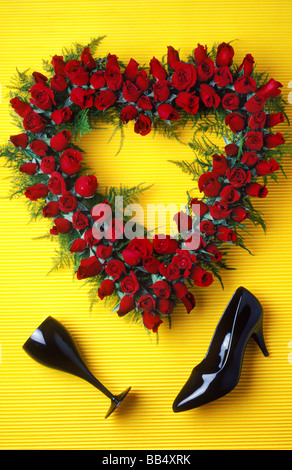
pixel 259 339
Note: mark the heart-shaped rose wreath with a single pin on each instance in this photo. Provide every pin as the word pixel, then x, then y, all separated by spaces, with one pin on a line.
pixel 146 277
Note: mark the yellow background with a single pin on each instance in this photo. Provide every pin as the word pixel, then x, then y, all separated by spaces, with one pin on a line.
pixel 44 409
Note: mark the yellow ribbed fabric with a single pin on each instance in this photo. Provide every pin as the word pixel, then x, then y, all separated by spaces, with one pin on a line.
pixel 45 409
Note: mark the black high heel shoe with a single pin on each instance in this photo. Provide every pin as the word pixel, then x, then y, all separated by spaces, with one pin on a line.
pixel 219 372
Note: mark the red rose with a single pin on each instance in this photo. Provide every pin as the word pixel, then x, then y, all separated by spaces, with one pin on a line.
pixel 220 164
pixel 201 277
pixel 136 250
pixel 20 107
pixel 142 125
pixel 164 306
pixel 231 150
pixel 39 147
pixel 42 96
pixel 48 165
pixel 257 120
pixel 161 90
pixel 172 57
pixel 219 210
pixel 226 234
pixel 257 190
pixel 203 208
pixel 229 194
pixel 270 89
pixel 245 85
pixel 131 71
pixel 61 115
pixel 180 290
pixel 67 202
pixel 189 301
pixel 70 161
pixel 62 226
pixel 127 304
pixel 91 237
pixel 104 251
pixel 264 167
pixel 87 60
pixel 131 92
pixel 247 65
pixel 183 261
pixel 33 122
pixel 274 119
pixel 151 321
pixel 19 140
pixel 115 230
pixel 51 209
pixel 273 140
pixel 56 183
pixel 128 113
pixel 151 264
pixel 239 214
pixel 142 80
pixel 59 83
pixel 223 77
pixel 214 251
pixel 249 158
pixel 77 74
pixel 161 289
pixel 230 101
pixel 86 186
pixel 61 140
pixel 79 220
pixel 36 191
pixel 97 80
pixel 146 303
pixel 130 284
pixel 183 221
pixel 225 54
pixel 106 288
pixel 167 112
pixel 157 70
pixel 39 78
pixel 170 272
pixel 255 104
pixel 200 53
pixel 235 121
pixel 83 98
pixel 254 140
pixel 238 177
pixel 205 70
pixel 184 77
pixel 188 101
pixel 209 96
pixel 112 73
pixel 78 246
pixel 28 168
pixel 145 103
pixel 58 65
pixel 105 99
pixel 131 257
pixel 115 268
pixel 209 184
pixel 207 227
pixel 101 210
pixel 165 244
pixel 89 267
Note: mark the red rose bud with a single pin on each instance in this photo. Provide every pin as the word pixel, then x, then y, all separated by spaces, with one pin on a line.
pixel 165 244
pixel 39 147
pixel 254 140
pixel 164 306
pixel 209 96
pixel 225 54
pixel 86 186
pixel 203 207
pixel 143 125
pixel 59 83
pixel 19 140
pixel 42 96
pixel 61 140
pixel 161 90
pixel 61 115
pixel 83 98
pixel 67 202
pixel 273 140
pixel 129 284
pixel 274 119
pixel 255 104
pixel 105 99
pixel 220 164
pixel 183 221
pixel 33 122
pixel 256 190
pixel 131 257
pixel 87 60
pixel 77 74
pixel 78 246
pixel 229 194
pixel 250 158
pixel 225 234
pixel 180 290
pixel 231 150
pixel 188 101
pixel 206 70
pixel 70 161
pixel 184 77
pixel 146 303
pixel 145 103
pixel 48 165
pixel 89 267
pixel 214 251
pixel 245 85
pixel 223 77
pixel 112 73
pixel 115 268
pixel 207 228
pixel 151 264
pixel 131 92
pixel 91 238
pixel 201 277
pixel 143 81
pixel 157 70
pixel 56 183
pixel 106 288
pixel 62 226
pixel 20 107
pixel 51 209
pixel 257 120
pixel 270 89
pixel 58 65
pixel 238 177
pixel 189 301
pixel 131 71
pixel 200 53
pixel 39 78
pixel 172 57
pixel 230 101
pixel 28 168
pixel 161 289
pixel 239 214
pixel 36 192
pixel 97 80
pixel 151 321
pixel 128 113
pixel 247 65
pixel 236 122
pixel 208 184
pixel 104 251
pixel 127 304
pixel 266 168
pixel 220 210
